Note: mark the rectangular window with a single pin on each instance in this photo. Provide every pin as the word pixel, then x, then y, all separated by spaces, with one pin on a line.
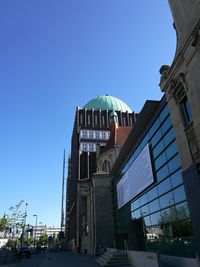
pixel 96 120
pixel 97 135
pixel 164 187
pixel 103 120
pixel 84 147
pixel 186 110
pixel 84 134
pixel 88 119
pixel 90 134
pixel 103 135
pixel 91 147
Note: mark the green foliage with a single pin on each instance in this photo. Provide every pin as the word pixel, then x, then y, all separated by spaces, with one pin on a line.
pixel 28 241
pixel 4 224
pixel 12 243
pixel 43 239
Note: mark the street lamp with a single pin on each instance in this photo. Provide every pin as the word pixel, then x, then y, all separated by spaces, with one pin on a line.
pixel 35 228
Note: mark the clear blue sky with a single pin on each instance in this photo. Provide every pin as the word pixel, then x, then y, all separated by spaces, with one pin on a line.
pixel 59 54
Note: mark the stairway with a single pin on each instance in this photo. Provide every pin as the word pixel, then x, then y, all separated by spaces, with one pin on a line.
pixel 114 257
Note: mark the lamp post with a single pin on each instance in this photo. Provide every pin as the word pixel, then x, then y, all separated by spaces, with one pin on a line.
pixel 35 229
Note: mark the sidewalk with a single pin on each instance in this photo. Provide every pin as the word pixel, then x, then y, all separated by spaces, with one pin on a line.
pixel 59 259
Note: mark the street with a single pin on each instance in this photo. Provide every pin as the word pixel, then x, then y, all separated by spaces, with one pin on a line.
pixel 59 259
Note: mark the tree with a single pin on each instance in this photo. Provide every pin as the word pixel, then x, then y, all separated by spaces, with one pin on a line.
pixel 4 224
pixel 43 239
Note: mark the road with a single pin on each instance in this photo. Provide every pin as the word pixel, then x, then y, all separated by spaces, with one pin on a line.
pixel 59 259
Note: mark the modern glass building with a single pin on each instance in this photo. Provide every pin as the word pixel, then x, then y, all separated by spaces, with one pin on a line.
pixel 159 206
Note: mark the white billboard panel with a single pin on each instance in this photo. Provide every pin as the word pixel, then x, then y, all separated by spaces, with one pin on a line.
pixel 138 177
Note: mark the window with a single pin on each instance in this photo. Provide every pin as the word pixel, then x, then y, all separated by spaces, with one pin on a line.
pixel 103 121
pixel 88 119
pixel 84 134
pixel 97 135
pixel 84 146
pixel 185 106
pixel 91 147
pixel 185 109
pixel 103 135
pixel 90 134
pixel 81 119
pixel 96 120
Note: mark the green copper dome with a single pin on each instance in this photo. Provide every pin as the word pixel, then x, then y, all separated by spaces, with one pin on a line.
pixel 107 102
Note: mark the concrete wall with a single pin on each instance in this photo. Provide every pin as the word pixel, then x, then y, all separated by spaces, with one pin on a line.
pixel 103 217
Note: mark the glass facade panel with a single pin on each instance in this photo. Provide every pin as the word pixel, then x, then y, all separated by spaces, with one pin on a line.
pixel 156 138
pixel 136 204
pixel 160 160
pixel 154 206
pixel 179 194
pixel 136 214
pixel 171 150
pixel 176 179
pixel 168 215
pixel 164 186
pixel 166 200
pixel 182 211
pixel 163 206
pixel 162 173
pixel 164 113
pixel 145 210
pixel 153 193
pixel 154 127
pixel 174 164
pixel 158 149
pixel 156 218
pixel 147 220
pixel 143 200
pixel 168 137
pixel 166 125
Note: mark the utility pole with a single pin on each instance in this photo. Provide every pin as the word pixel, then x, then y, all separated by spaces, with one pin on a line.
pixel 62 201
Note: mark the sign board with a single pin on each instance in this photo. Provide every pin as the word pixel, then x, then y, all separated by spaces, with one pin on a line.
pixel 137 178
